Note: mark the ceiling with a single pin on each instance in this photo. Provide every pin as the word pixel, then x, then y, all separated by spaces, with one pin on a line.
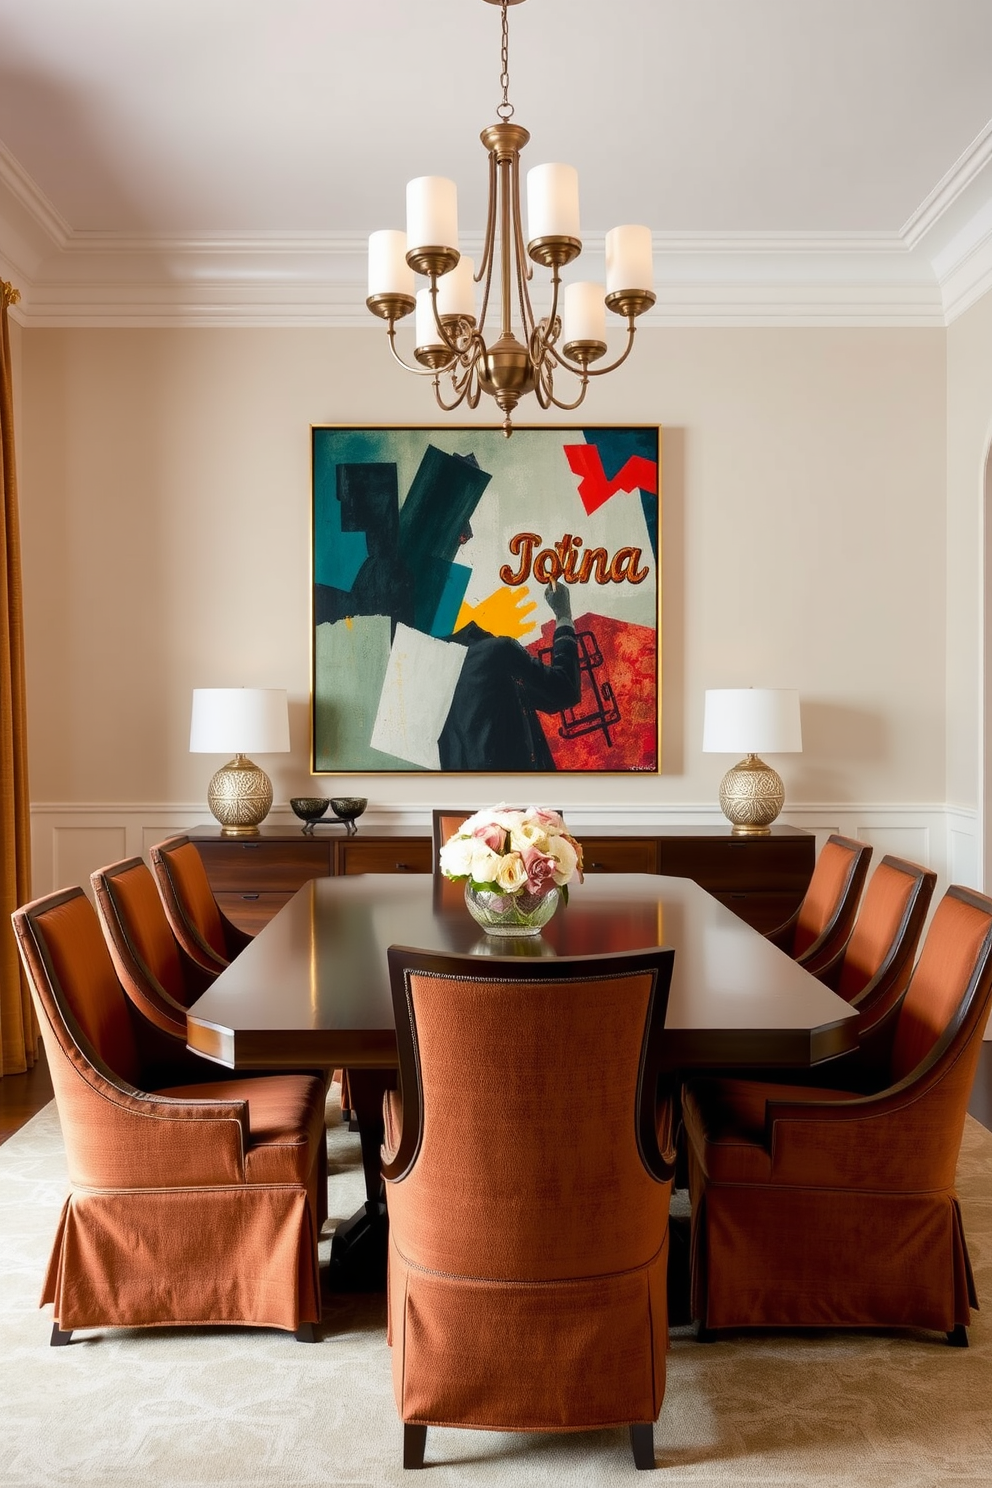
pixel 222 161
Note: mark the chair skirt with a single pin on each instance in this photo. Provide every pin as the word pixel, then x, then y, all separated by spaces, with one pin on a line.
pixel 149 1258
pixel 573 1355
pixel 807 1257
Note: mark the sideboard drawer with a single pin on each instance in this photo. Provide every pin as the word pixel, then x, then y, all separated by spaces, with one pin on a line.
pixel 366 855
pixel 619 855
pixel 250 911
pixel 258 866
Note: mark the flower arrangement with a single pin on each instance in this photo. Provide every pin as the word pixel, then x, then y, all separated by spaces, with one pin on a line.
pixel 511 852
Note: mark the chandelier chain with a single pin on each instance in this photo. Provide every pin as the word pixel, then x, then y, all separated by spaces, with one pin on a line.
pixel 505 109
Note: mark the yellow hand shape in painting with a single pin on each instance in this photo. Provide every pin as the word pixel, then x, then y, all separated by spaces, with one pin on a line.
pixel 502 614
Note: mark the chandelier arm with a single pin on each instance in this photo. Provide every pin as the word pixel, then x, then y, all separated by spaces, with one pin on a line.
pixel 484 273
pixel 581 371
pixel 462 391
pixel 566 407
pixel 417 371
pixel 541 393
pixel 602 371
pixel 525 269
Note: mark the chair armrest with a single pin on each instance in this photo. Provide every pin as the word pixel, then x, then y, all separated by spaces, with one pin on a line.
pixel 135 1139
pixel 873 1141
pixel 235 938
pixel 784 936
pixel 825 966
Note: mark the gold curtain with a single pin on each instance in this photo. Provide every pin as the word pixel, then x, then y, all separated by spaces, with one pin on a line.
pixel 18 1029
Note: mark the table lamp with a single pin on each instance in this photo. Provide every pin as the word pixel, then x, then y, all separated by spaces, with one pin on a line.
pixel 748 720
pixel 235 720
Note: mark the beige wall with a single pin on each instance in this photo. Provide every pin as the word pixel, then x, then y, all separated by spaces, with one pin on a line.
pixel 165 496
pixel 969 431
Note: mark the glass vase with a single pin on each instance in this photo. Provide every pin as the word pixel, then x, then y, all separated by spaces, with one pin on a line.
pixel 511 914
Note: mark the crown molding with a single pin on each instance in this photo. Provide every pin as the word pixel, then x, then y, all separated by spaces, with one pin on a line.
pixel 924 275
pixel 949 189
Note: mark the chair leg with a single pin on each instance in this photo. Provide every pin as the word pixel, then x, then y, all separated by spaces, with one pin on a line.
pixel 958 1336
pixel 414 1442
pixel 642 1444
pixel 59 1338
pixel 305 1333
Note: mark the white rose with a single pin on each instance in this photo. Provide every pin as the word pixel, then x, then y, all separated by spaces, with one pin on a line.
pixel 455 857
pixel 506 817
pixel 529 834
pixel 485 863
pixel 565 856
pixel 511 874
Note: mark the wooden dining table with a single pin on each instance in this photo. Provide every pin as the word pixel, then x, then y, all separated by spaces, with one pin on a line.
pixel 312 989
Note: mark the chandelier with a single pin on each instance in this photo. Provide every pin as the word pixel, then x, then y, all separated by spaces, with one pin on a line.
pixel 449 336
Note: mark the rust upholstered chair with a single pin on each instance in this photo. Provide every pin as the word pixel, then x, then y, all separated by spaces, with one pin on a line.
pixel 154 970
pixel 836 1208
pixel 817 933
pixel 205 933
pixel 877 964
pixel 528 1239
pixel 189 1203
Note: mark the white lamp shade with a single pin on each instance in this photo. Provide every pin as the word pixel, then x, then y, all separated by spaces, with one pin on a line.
pixel 629 259
pixel 752 720
pixel 239 720
pixel 552 202
pixel 389 272
pixel 431 213
pixel 456 291
pixel 583 315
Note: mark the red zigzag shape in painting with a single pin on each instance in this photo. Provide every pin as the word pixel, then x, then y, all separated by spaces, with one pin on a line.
pixel 637 474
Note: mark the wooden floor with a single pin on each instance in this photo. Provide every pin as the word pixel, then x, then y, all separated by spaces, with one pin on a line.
pixel 22 1095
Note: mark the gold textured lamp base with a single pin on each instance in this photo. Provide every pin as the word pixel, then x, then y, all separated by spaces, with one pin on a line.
pixel 751 797
pixel 239 796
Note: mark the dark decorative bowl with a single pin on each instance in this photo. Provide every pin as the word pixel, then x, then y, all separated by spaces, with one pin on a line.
pixel 347 808
pixel 309 809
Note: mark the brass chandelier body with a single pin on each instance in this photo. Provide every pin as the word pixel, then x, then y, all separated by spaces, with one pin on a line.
pixel 524 360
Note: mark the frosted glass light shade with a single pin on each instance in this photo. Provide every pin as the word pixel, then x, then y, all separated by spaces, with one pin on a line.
pixel 389 272
pixel 425 326
pixel 583 316
pixel 239 720
pixel 431 213
pixel 456 291
pixel 752 720
pixel 552 202
pixel 629 259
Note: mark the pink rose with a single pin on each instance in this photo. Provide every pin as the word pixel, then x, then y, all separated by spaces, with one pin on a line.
pixel 492 835
pixel 545 816
pixel 540 868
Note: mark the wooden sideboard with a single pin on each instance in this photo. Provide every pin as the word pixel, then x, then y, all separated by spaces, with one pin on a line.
pixel 762 879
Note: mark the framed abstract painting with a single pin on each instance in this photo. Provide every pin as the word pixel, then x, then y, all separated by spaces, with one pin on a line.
pixel 484 604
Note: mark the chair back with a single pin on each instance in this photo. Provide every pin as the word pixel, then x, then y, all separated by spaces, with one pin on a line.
pixel 152 971
pixel 949 991
pixel 529 1146
pixel 827 913
pixel 878 960
pixel 190 907
pixel 84 1019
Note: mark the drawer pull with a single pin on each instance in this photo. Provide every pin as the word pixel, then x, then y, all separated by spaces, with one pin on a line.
pixel 249 896
pixel 250 846
pixel 600 866
pixel 403 867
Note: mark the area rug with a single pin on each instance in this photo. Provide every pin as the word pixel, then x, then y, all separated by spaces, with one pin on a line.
pixel 188 1408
